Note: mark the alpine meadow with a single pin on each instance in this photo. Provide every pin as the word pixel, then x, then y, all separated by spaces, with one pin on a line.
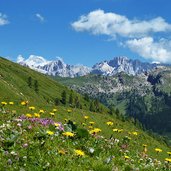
pixel 85 85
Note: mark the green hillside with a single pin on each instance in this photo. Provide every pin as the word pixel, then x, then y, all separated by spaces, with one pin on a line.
pixel 16 85
pixel 144 97
pixel 41 136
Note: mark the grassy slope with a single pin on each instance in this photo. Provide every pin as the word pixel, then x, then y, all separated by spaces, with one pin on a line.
pixel 156 104
pixel 14 86
pixel 47 156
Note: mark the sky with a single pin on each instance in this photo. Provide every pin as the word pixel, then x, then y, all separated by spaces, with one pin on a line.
pixel 86 31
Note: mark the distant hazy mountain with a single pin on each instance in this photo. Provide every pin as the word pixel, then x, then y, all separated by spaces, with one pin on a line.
pixel 106 68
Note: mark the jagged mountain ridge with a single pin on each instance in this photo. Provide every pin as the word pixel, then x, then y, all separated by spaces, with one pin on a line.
pixel 107 68
pixel 54 68
pixel 122 64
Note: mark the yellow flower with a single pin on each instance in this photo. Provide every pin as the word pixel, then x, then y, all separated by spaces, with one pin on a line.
pixel 69 110
pixel 61 152
pixel 109 123
pixel 126 157
pixel 90 127
pixel 115 130
pixel 52 113
pixel 144 145
pixel 28 115
pixel 91 123
pixel 158 150
pixel 95 130
pixel 4 103
pixel 11 103
pixel 23 103
pixel 168 160
pixel 79 153
pixel 41 111
pixel 37 115
pixel 56 124
pixel 83 124
pixel 120 130
pixel 32 108
pixel 68 134
pixel 86 117
pixel 54 110
pixel 135 133
pixel 50 132
pixel 169 153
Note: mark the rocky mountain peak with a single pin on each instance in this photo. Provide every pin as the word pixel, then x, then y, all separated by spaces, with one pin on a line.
pixel 108 68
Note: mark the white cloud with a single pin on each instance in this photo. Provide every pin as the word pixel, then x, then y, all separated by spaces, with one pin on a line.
pixel 156 51
pixel 112 24
pixel 40 17
pixel 3 19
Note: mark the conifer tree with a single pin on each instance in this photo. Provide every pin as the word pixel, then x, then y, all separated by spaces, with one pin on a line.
pixel 36 86
pixel 63 97
pixel 71 99
pixel 29 82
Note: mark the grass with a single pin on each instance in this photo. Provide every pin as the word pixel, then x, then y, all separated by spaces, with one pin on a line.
pixel 29 139
pixel 14 86
pixel 26 144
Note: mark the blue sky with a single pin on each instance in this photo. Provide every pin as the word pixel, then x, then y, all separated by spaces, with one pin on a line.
pixel 109 28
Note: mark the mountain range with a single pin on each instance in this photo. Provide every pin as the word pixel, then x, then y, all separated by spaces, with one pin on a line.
pixel 138 90
pixel 107 68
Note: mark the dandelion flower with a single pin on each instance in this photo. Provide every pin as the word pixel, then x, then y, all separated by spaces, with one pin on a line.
pixel 168 160
pixel 28 115
pixel 68 134
pixel 79 153
pixel 54 110
pixel 115 130
pixel 86 117
pixel 11 103
pixel 95 131
pixel 126 157
pixel 52 113
pixel 41 111
pixel 83 124
pixel 90 127
pixel 23 103
pixel 37 115
pixel 91 123
pixel 109 123
pixel 50 132
pixel 169 153
pixel 69 110
pixel 158 150
pixel 56 124
pixel 61 152
pixel 32 108
pixel 135 133
pixel 4 103
pixel 120 130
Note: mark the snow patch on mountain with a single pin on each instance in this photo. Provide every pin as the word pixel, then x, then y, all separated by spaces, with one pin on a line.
pixel 56 67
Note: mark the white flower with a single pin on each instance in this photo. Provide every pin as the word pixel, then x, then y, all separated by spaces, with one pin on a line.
pixel 91 150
